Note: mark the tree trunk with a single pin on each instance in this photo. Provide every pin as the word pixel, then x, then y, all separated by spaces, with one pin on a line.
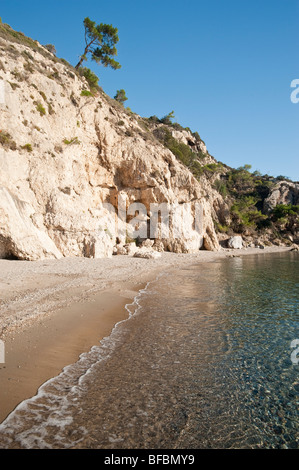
pixel 79 63
pixel 83 57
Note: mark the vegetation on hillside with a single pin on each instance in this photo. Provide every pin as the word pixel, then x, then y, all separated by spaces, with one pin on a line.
pixel 245 192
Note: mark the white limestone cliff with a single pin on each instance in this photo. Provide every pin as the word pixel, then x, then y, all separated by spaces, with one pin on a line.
pixel 65 156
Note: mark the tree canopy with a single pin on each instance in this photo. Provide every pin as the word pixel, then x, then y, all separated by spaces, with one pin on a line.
pixel 120 96
pixel 168 118
pixel 100 42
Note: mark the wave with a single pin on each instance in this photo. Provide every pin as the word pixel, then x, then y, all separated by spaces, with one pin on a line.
pixel 34 421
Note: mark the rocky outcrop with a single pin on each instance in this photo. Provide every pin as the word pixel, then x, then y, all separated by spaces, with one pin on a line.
pixel 147 254
pixel 235 242
pixel 196 145
pixel 284 192
pixel 20 237
pixel 67 158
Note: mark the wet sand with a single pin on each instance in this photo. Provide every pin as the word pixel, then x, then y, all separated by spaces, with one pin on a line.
pixel 45 347
pixel 52 311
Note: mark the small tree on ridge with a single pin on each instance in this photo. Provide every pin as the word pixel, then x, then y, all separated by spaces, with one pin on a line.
pixel 100 42
pixel 120 96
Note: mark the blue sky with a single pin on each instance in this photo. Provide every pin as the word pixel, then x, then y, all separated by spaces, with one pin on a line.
pixel 224 66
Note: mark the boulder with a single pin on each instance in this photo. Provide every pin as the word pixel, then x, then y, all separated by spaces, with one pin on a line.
pixel 235 242
pixel 158 246
pixel 131 248
pixel 121 250
pixel 148 243
pixel 19 237
pixel 147 254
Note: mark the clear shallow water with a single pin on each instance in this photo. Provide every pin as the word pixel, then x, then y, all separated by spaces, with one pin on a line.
pixel 203 362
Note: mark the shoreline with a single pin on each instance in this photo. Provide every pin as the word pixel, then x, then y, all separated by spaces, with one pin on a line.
pixel 59 309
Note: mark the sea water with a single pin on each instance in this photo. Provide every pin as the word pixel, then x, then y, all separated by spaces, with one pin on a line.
pixel 205 360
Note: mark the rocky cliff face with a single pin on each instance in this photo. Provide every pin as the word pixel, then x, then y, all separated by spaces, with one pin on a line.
pixel 65 154
pixel 284 192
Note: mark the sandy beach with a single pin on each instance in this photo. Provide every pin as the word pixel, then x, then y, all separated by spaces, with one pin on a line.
pixel 51 311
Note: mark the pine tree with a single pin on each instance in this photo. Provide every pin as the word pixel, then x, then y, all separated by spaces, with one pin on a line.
pixel 100 42
pixel 120 96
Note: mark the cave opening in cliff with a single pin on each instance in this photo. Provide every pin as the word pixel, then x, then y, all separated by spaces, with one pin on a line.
pixel 6 253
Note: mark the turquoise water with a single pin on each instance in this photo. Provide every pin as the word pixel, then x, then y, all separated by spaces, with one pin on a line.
pixel 204 362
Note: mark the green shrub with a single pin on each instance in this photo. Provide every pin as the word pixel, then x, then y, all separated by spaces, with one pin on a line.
pixel 51 48
pixel 86 93
pixel 65 62
pixel 221 228
pixel 182 151
pixel 18 75
pixel 154 119
pixel 50 109
pixel 240 181
pixel 27 147
pixel 196 135
pixel 7 141
pixel 91 77
pixel 284 211
pixel 177 126
pixel 283 178
pixel 43 95
pixel 14 85
pixel 264 223
pixel 54 75
pixel 167 119
pixel 12 51
pixel 40 109
pixel 142 123
pixel 73 141
pixel 179 149
pixel 221 187
pixel 196 168
pixel 212 167
pixel 130 240
pixel 120 96
pixel 27 55
pixel 245 214
pixel 28 67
